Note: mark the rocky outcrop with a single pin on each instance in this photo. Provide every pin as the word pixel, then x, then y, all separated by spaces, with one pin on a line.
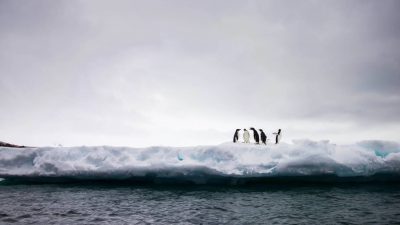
pixel 4 144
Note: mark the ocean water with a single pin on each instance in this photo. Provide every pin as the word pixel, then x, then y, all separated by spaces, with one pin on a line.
pixel 193 204
pixel 306 182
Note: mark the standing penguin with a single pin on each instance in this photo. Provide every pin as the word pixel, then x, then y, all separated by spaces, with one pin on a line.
pixel 278 136
pixel 236 136
pixel 255 135
pixel 246 136
pixel 263 137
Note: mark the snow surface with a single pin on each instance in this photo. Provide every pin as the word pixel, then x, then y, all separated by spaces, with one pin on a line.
pixel 302 158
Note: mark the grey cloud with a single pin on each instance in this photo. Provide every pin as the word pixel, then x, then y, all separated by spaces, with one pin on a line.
pixel 139 67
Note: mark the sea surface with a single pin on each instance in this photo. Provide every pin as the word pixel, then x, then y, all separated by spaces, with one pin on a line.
pixel 103 203
pixel 306 182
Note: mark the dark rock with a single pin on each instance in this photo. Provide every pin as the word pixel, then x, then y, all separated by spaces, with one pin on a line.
pixel 4 144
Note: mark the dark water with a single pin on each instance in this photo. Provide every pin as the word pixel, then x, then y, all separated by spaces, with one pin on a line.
pixel 262 204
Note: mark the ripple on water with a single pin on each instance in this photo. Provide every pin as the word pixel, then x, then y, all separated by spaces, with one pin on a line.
pixel 57 204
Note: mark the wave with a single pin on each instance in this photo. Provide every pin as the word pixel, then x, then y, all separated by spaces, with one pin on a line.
pixel 304 160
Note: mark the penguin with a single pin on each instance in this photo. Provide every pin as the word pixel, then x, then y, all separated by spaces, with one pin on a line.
pixel 246 136
pixel 263 137
pixel 255 135
pixel 236 136
pixel 278 136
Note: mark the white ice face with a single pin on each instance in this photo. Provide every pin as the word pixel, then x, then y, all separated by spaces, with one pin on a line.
pixel 302 158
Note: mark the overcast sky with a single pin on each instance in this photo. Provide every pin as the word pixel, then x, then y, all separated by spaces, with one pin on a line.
pixel 178 73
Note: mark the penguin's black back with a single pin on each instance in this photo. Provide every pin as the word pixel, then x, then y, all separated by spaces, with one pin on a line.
pixel 255 135
pixel 263 137
pixel 236 136
pixel 277 136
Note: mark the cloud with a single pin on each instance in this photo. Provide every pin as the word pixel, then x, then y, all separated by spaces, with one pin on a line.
pixel 154 72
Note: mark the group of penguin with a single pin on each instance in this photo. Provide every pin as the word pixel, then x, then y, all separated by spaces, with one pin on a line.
pixel 246 136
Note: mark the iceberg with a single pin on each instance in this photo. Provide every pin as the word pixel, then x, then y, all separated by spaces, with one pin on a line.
pixel 303 160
